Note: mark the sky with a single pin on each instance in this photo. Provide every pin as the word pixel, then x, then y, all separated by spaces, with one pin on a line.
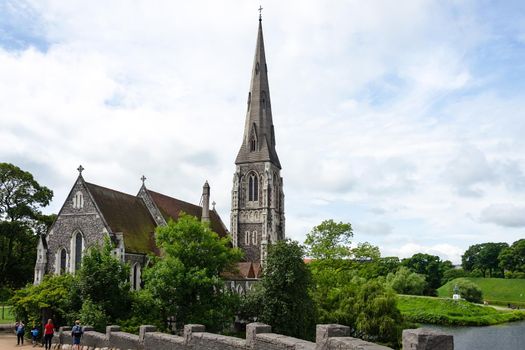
pixel 404 118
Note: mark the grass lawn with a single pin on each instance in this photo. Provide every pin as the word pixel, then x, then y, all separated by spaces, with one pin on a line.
pixel 453 312
pixel 497 291
pixel 7 316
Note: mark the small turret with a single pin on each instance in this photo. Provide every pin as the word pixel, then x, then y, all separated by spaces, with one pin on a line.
pixel 205 217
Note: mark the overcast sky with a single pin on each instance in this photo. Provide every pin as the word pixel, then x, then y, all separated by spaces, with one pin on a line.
pixel 405 118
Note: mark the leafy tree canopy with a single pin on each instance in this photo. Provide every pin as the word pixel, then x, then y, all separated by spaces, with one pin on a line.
pixel 484 258
pixel 186 282
pixel 104 280
pixel 283 299
pixel 21 198
pixel 431 266
pixel 512 258
pixel 329 240
pixel 404 281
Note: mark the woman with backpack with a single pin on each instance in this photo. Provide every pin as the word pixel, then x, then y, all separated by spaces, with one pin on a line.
pixel 76 333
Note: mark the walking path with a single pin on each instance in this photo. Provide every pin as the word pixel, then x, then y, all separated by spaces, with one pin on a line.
pixel 8 342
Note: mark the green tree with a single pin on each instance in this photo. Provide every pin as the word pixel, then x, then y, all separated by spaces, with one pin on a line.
pixel 283 299
pixel 484 258
pixel 186 282
pixel 21 198
pixel 56 295
pixel 428 265
pixel 512 259
pixel 404 281
pixel 367 307
pixel 104 282
pixel 329 240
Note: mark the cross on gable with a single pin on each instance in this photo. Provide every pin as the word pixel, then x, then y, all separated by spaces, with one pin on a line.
pixel 80 169
pixel 143 178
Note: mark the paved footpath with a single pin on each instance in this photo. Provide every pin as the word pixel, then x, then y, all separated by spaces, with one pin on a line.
pixel 8 342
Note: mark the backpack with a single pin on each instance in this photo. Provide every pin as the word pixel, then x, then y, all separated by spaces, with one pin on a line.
pixel 20 329
pixel 34 332
pixel 77 331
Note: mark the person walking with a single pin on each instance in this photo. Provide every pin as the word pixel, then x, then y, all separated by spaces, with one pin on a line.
pixel 34 334
pixel 49 331
pixel 20 331
pixel 76 333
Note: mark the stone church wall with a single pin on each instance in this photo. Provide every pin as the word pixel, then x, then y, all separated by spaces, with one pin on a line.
pixel 86 220
pixel 258 337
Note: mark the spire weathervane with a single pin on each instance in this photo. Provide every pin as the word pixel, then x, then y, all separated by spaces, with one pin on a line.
pixel 80 169
pixel 143 179
pixel 260 12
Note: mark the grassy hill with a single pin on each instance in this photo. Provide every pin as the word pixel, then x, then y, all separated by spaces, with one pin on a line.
pixel 452 312
pixel 497 291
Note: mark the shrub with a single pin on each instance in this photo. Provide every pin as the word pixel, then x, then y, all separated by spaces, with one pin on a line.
pixel 405 281
pixel 468 290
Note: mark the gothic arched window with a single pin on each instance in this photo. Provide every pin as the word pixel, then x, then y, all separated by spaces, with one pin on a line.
pixel 253 145
pixel 136 278
pixel 63 261
pixel 78 200
pixel 247 238
pixel 254 237
pixel 77 247
pixel 253 188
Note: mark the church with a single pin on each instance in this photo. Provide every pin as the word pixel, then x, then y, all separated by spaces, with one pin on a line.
pixel 92 213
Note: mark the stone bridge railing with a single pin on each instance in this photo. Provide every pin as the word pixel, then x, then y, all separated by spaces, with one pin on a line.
pixel 258 337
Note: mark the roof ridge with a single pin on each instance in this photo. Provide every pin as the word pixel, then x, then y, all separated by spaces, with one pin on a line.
pixel 110 189
pixel 179 200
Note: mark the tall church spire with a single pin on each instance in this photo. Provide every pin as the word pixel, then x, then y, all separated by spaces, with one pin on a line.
pixel 257 216
pixel 259 138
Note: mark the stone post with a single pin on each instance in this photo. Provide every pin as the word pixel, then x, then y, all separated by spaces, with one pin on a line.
pixel 189 329
pixel 426 339
pixel 325 331
pixel 145 329
pixel 110 329
pixel 252 329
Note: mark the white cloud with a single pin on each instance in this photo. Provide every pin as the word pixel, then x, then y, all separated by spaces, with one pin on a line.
pixel 506 215
pixel 373 107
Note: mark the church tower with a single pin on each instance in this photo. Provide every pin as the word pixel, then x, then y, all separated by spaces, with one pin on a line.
pixel 257 216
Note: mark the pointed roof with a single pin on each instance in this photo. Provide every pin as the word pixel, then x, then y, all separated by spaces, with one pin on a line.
pixel 127 214
pixel 259 123
pixel 171 208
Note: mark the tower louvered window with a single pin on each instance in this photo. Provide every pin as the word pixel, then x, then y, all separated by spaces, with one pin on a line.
pixel 253 188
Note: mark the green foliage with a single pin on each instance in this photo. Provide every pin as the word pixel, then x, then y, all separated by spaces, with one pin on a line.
pixel 104 282
pixel 94 315
pixel 451 274
pixel 282 300
pixel 186 282
pixel 21 198
pixel 404 281
pixel 512 259
pixel 54 294
pixel 367 306
pixel 431 267
pixel 329 240
pixel 467 289
pixel 99 293
pixel 495 290
pixel 453 312
pixel 484 257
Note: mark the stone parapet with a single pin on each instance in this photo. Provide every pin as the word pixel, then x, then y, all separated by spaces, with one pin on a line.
pixel 259 336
